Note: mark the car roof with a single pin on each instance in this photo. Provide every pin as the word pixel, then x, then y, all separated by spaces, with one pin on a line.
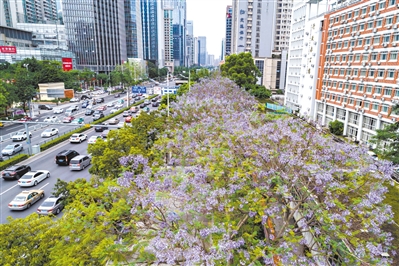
pixel 78 157
pixel 13 167
pixel 26 192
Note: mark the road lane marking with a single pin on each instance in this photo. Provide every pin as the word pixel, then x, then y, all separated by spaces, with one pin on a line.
pixel 44 186
pixel 8 189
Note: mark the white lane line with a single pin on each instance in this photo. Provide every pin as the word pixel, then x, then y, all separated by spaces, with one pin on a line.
pixel 8 190
pixel 44 186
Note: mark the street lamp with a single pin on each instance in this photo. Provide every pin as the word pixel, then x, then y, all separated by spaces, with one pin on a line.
pixel 167 86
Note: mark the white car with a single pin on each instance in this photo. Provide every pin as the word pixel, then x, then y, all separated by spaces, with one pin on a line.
pixel 77 138
pixel 21 135
pixel 49 132
pixel 93 139
pixel 33 178
pixel 51 119
pixel 12 149
pixel 110 104
pixel 118 105
pixel 74 100
pixel 90 106
pixel 58 110
pixel 114 110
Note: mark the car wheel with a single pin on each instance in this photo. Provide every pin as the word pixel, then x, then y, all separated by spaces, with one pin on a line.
pixel 29 168
pixel 41 196
pixel 28 206
pixel 57 211
pixel 35 184
pixel 16 177
pixel 80 140
pixel 48 175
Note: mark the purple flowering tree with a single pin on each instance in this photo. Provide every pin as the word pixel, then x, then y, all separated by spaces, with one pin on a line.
pixel 249 188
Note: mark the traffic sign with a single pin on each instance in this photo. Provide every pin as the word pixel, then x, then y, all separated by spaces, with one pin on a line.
pixel 139 89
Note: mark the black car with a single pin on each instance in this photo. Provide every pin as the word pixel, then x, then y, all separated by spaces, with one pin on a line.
pixel 65 156
pixel 143 105
pixel 45 107
pixel 100 128
pixel 85 97
pixel 89 112
pixel 15 172
pixel 100 100
pixel 98 115
pixel 155 104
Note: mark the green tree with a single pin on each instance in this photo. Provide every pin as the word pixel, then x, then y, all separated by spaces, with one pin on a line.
pixel 387 143
pixel 259 91
pixel 241 69
pixel 50 71
pixel 25 85
pixel 3 97
pixel 336 127
pixel 103 79
pixel 152 70
pixel 71 79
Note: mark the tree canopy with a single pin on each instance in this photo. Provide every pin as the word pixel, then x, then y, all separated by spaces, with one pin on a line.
pixel 241 69
pixel 387 142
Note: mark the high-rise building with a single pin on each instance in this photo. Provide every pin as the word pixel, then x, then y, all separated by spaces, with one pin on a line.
pixel 27 11
pixel 151 42
pixel 190 43
pixel 227 42
pixel 165 23
pixel 222 55
pixel 96 33
pixel 202 53
pixel 260 27
pixel 195 51
pixel 134 36
pixel 179 32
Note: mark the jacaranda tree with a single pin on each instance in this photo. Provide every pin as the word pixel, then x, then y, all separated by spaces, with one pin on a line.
pixel 245 188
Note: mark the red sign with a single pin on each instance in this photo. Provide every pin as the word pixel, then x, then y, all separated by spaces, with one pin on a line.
pixel 67 63
pixel 8 49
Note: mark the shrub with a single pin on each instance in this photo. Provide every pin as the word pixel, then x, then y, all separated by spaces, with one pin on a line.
pixel 14 160
pixel 336 127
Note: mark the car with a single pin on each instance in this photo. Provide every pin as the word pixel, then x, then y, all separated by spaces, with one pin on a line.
pixel 90 106
pixel 114 110
pixel 68 119
pixel 32 178
pixel 25 199
pixel 58 110
pixel 49 132
pixel 15 172
pixel 146 102
pixel 51 205
pixel 65 156
pixel 119 105
pixel 122 124
pixel 102 108
pixel 12 149
pixel 142 105
pixel 89 112
pixel 110 104
pixel 117 95
pixel 105 133
pixel 100 128
pixel 70 111
pixel 51 119
pixel 113 121
pixel 155 104
pixel 74 108
pixel 45 107
pixel 21 135
pixel 128 119
pixel 85 104
pixel 79 120
pixel 80 162
pixel 77 138
pixel 85 97
pixel 74 100
pixel 98 115
pixel 93 139
pixel 25 119
pixel 154 99
pixel 134 109
pixel 100 100
pixel 126 113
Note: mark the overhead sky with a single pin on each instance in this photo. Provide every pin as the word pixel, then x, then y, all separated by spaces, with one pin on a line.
pixel 209 19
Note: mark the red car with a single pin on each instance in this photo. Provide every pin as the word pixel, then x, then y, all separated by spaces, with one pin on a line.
pixel 128 119
pixel 68 119
pixel 102 108
pixel 25 119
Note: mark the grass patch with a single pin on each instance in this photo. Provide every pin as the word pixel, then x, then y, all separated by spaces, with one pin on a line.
pixel 393 200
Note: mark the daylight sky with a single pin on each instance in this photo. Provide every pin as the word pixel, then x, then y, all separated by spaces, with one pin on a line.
pixel 209 19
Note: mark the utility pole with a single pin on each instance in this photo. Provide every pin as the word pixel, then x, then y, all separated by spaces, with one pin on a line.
pixel 167 86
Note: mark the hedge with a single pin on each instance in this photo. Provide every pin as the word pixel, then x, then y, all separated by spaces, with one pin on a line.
pixel 14 160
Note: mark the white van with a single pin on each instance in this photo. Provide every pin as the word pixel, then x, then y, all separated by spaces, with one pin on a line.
pixel 70 112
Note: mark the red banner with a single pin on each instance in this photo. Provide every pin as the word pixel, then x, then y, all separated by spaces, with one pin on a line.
pixel 8 49
pixel 67 63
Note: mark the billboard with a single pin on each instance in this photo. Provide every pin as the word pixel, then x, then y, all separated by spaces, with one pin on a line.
pixel 139 89
pixel 67 63
pixel 8 49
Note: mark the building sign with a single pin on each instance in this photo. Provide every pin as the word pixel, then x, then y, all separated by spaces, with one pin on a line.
pixel 67 63
pixel 139 89
pixel 8 49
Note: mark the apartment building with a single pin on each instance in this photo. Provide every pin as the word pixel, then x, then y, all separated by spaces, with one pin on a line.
pixel 358 76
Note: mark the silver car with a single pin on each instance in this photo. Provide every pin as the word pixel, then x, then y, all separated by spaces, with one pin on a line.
pixel 52 205
pixel 79 162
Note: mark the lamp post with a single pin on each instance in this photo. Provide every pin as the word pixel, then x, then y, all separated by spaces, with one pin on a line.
pixel 167 86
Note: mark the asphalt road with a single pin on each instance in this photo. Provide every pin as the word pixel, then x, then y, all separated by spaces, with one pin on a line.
pixel 45 161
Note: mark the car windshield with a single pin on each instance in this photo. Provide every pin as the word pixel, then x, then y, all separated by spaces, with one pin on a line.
pixel 9 147
pixel 74 136
pixel 47 204
pixel 27 176
pixel 48 130
pixel 20 198
pixel 97 113
pixel 20 133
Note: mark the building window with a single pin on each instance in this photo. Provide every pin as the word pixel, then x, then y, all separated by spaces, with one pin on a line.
pixel 354 28
pixel 346 86
pixel 340 45
pixel 393 55
pixel 391 2
pixel 391 73
pixel 372 8
pixel 381 5
pixel 353 87
pixel 380 73
pixel 355 72
pixel 353 43
pixel 363 72
pixel 371 73
pixel 389 20
pixel 344 58
pixel 347 29
pixel 374 56
pixel 386 38
pixel 384 108
pixel 368 41
pixel 388 91
pixel 369 88
pixel 378 23
pixel 375 106
pixel 366 105
pixel 340 85
pixel 365 58
pixel 376 40
pixel 364 10
pixel 396 35
pixel 369 123
pixel 377 90
pixel 396 93
pixel 357 57
pixel 370 25
pixel 362 26
pixel 350 58
pixel 383 56
pixel 356 13
pixel 359 42
pixel 353 118
pixel 360 88
pixel 342 71
pixel 336 71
